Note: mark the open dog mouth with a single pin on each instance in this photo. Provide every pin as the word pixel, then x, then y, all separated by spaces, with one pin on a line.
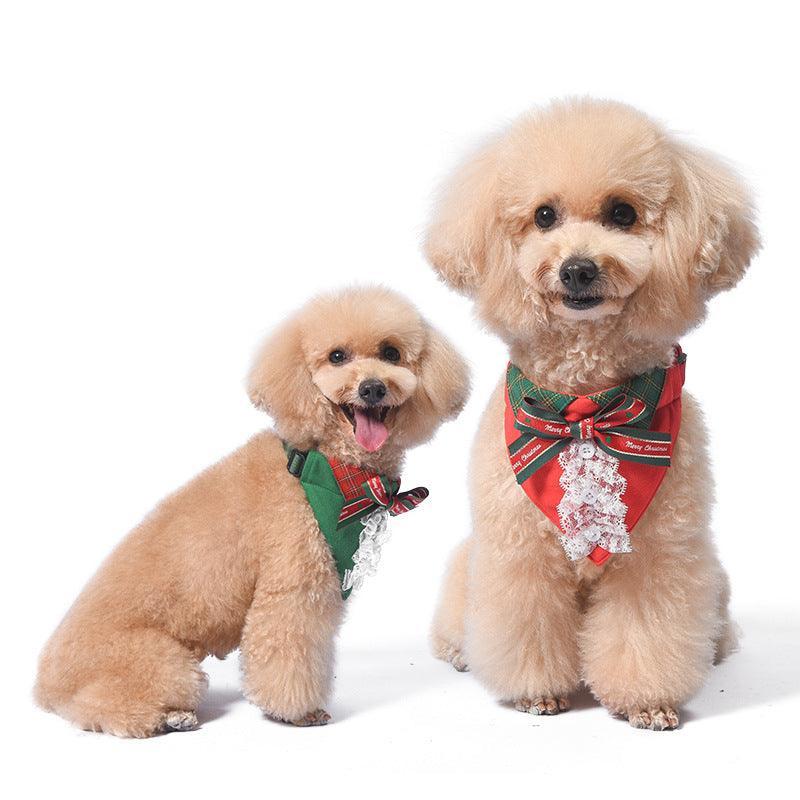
pixel 369 425
pixel 581 303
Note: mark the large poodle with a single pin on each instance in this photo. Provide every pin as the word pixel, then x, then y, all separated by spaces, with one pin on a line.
pixel 590 240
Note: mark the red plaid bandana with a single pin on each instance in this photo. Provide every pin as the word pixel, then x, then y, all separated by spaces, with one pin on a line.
pixel 593 463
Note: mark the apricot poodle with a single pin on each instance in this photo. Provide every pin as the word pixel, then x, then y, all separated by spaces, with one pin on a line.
pixel 236 558
pixel 590 240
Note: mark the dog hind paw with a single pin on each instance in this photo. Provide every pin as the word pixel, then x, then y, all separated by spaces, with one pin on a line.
pixel 663 718
pixel 542 706
pixel 180 721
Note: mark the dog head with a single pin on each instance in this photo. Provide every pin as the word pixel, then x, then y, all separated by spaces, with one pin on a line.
pixel 360 374
pixel 588 211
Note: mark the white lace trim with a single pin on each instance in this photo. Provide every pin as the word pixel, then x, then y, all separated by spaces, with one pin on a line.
pixel 370 541
pixel 591 511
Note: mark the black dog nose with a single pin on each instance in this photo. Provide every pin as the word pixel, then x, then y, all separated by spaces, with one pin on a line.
pixel 577 274
pixel 372 391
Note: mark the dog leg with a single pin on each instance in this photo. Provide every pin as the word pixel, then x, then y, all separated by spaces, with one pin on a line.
pixel 132 683
pixel 287 648
pixel 655 617
pixel 522 608
pixel 649 634
pixel 522 624
pixel 447 631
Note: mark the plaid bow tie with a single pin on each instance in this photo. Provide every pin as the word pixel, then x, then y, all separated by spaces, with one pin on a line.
pixel 386 493
pixel 620 428
pixel 364 490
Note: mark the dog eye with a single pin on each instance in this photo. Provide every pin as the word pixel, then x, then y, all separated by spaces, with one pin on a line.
pixel 337 356
pixel 390 353
pixel 544 217
pixel 623 215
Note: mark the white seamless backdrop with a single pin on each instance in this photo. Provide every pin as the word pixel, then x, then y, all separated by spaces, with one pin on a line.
pixel 174 177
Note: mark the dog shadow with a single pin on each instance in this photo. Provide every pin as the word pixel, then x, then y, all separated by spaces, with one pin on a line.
pixel 217 703
pixel 765 669
pixel 368 679
pixel 365 679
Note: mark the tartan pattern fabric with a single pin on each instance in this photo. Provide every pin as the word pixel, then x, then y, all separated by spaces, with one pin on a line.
pixel 406 501
pixel 363 490
pixel 351 479
pixel 647 387
pixel 519 387
pixel 385 493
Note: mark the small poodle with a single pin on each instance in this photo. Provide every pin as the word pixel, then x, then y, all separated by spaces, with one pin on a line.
pixel 251 554
pixel 590 241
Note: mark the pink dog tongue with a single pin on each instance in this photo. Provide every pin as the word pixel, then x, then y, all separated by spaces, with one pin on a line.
pixel 370 433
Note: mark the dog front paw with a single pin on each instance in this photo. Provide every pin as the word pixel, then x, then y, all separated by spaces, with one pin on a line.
pixel 456 659
pixel 663 718
pixel 450 653
pixel 318 717
pixel 542 706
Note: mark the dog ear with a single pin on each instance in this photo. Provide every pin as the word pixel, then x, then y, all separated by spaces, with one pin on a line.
pixel 442 389
pixel 280 383
pixel 709 225
pixel 444 376
pixel 464 227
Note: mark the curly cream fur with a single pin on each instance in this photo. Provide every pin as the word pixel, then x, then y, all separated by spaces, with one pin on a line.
pixel 643 630
pixel 235 558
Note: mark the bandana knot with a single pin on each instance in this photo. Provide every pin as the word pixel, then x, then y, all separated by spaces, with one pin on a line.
pixel 583 429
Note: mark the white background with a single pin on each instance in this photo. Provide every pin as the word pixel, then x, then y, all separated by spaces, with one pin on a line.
pixel 174 177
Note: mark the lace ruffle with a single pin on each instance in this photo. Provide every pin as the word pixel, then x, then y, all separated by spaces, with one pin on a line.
pixel 591 511
pixel 370 541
